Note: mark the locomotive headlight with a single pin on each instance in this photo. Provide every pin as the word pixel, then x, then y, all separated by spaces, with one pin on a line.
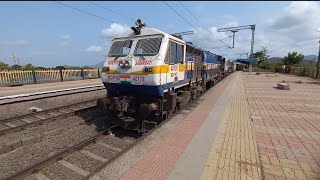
pixel 146 69
pixel 127 64
pixel 122 64
pixel 150 69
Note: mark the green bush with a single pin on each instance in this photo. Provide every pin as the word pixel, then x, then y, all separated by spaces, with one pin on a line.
pixel 269 66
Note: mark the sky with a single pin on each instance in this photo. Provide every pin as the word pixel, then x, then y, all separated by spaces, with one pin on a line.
pixel 49 34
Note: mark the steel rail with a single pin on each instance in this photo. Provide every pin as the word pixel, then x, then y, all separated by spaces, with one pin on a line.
pixel 20 174
pixel 44 111
pixel 47 94
pixel 40 121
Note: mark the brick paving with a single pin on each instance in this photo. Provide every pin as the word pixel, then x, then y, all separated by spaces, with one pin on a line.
pixel 286 125
pixel 268 133
pixel 159 161
pixel 234 153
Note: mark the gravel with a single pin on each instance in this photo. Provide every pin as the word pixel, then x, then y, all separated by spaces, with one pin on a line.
pixel 115 142
pixel 100 151
pixel 31 119
pixel 83 161
pixel 43 115
pixel 19 109
pixel 40 129
pixel 49 126
pixel 56 141
pixel 17 122
pixel 2 127
pixel 59 172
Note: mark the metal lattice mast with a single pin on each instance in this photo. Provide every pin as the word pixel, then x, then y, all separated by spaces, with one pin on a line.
pixel 236 29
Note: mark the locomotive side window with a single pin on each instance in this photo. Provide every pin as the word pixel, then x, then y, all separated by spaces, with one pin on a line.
pixel 179 59
pixel 174 54
pixel 148 47
pixel 120 48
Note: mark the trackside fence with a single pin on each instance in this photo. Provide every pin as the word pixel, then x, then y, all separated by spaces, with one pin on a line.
pixel 299 71
pixel 21 77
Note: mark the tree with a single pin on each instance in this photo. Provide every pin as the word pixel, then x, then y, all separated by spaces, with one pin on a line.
pixel 87 67
pixel 293 58
pixel 16 66
pixel 261 55
pixel 29 67
pixel 3 66
pixel 60 67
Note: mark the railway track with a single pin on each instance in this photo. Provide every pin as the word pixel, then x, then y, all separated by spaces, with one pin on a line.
pixel 83 159
pixel 74 160
pixel 17 123
pixel 4 100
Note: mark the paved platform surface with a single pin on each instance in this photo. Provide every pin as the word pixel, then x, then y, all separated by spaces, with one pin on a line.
pixel 32 88
pixel 286 125
pixel 244 128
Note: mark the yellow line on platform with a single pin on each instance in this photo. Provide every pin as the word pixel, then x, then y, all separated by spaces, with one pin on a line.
pixel 234 152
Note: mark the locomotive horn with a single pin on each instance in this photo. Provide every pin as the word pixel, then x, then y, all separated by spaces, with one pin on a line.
pixel 139 25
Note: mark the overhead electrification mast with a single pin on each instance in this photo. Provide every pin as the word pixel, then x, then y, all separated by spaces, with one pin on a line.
pixel 236 29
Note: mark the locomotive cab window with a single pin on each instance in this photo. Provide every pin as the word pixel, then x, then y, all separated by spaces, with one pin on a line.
pixel 120 48
pixel 148 47
pixel 175 53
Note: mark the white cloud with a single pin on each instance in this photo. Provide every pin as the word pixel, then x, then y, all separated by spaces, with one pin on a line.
pixel 64 43
pixel 294 30
pixel 114 30
pixel 65 37
pixel 94 49
pixel 14 43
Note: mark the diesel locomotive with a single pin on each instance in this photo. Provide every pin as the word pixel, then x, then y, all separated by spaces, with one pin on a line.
pixel 150 74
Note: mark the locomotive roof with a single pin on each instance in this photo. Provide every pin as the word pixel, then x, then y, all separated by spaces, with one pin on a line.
pixel 147 32
pixel 154 31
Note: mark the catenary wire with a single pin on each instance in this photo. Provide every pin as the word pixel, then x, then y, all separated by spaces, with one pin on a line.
pixel 89 13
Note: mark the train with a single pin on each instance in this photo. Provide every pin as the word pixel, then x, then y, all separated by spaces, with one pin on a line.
pixel 150 74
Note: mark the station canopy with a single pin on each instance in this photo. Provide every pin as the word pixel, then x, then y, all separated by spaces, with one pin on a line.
pixel 247 60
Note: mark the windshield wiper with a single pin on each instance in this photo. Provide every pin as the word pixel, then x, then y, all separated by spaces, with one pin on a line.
pixel 116 57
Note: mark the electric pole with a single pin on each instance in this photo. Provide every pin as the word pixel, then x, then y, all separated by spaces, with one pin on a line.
pixel 317 70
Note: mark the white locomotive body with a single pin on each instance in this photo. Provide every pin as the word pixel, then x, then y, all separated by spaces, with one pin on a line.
pixel 150 74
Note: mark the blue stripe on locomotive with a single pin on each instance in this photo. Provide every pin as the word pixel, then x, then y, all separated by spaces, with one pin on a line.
pixel 139 90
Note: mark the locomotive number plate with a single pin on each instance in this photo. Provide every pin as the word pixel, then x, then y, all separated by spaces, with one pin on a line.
pixel 111 77
pixel 138 78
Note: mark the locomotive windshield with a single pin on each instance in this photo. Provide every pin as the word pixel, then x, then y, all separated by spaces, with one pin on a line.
pixel 120 48
pixel 148 47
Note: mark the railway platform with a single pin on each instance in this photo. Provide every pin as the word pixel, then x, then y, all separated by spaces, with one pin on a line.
pixel 33 88
pixel 243 128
